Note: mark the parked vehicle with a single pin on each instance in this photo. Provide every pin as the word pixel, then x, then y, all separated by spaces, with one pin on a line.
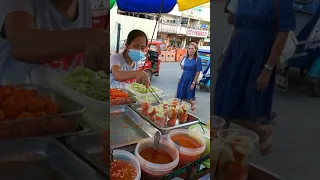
pixel 204 54
pixel 152 63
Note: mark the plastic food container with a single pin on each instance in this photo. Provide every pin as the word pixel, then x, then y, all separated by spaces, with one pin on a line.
pixel 123 100
pixel 161 117
pixel 152 170
pixel 152 113
pixel 234 156
pixel 172 115
pixel 187 155
pixel 130 158
pixel 94 109
pixel 216 124
pixel 145 106
pixel 174 101
pixel 197 130
pixel 215 149
pixel 184 108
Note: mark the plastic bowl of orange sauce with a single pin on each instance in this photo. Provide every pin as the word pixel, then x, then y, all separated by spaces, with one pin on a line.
pixel 189 145
pixel 125 166
pixel 156 164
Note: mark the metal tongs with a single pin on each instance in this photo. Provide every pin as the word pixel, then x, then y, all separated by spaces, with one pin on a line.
pixel 155 95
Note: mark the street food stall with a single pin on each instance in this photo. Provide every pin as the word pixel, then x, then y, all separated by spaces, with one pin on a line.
pixel 156 136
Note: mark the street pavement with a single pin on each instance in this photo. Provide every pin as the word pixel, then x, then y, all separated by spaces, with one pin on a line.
pixel 295 153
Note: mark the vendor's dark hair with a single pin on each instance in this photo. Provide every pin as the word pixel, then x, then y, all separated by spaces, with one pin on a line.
pixel 134 34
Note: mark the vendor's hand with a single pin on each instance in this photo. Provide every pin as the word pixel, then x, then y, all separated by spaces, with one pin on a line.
pixel 142 78
pixel 192 86
pixel 97 54
pixel 263 80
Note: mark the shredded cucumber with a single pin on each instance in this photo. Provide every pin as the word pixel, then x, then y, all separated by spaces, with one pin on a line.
pixel 140 88
pixel 92 84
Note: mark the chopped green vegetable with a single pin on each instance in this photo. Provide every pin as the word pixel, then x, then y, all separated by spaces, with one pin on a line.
pixel 89 83
pixel 140 88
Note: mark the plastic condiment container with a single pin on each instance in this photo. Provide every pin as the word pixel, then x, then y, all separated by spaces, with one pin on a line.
pixel 213 147
pixel 234 156
pixel 216 123
pixel 183 112
pixel 172 116
pixel 145 106
pixel 152 170
pixel 187 155
pixel 130 158
pixel 174 101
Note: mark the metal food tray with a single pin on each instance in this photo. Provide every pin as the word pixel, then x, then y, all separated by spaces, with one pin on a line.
pixel 65 122
pixel 41 158
pixel 127 128
pixel 131 96
pixel 89 147
pixel 192 119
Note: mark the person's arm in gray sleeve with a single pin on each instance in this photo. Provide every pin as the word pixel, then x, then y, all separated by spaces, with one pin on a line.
pixel 32 45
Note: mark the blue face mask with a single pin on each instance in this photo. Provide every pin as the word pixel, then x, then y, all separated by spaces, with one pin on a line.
pixel 136 55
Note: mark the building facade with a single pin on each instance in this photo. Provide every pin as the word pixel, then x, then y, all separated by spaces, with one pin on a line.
pixel 175 28
pixel 180 28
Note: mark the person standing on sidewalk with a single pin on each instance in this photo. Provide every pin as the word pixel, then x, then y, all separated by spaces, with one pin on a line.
pixel 191 68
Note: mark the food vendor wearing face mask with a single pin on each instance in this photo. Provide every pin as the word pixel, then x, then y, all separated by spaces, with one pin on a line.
pixel 125 66
pixel 45 36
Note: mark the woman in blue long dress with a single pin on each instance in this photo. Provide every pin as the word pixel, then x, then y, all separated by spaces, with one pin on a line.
pixel 244 89
pixel 191 69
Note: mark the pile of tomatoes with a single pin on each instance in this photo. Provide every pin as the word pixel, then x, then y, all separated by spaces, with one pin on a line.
pixel 20 104
pixel 119 97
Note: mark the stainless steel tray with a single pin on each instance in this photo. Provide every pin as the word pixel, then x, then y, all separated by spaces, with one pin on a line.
pixel 89 147
pixel 192 119
pixel 41 159
pixel 127 128
pixel 64 122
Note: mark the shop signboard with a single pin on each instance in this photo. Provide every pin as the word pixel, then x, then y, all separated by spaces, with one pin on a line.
pixel 197 33
pixel 166 28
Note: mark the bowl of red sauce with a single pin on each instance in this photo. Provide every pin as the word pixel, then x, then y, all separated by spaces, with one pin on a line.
pixel 125 166
pixel 156 163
